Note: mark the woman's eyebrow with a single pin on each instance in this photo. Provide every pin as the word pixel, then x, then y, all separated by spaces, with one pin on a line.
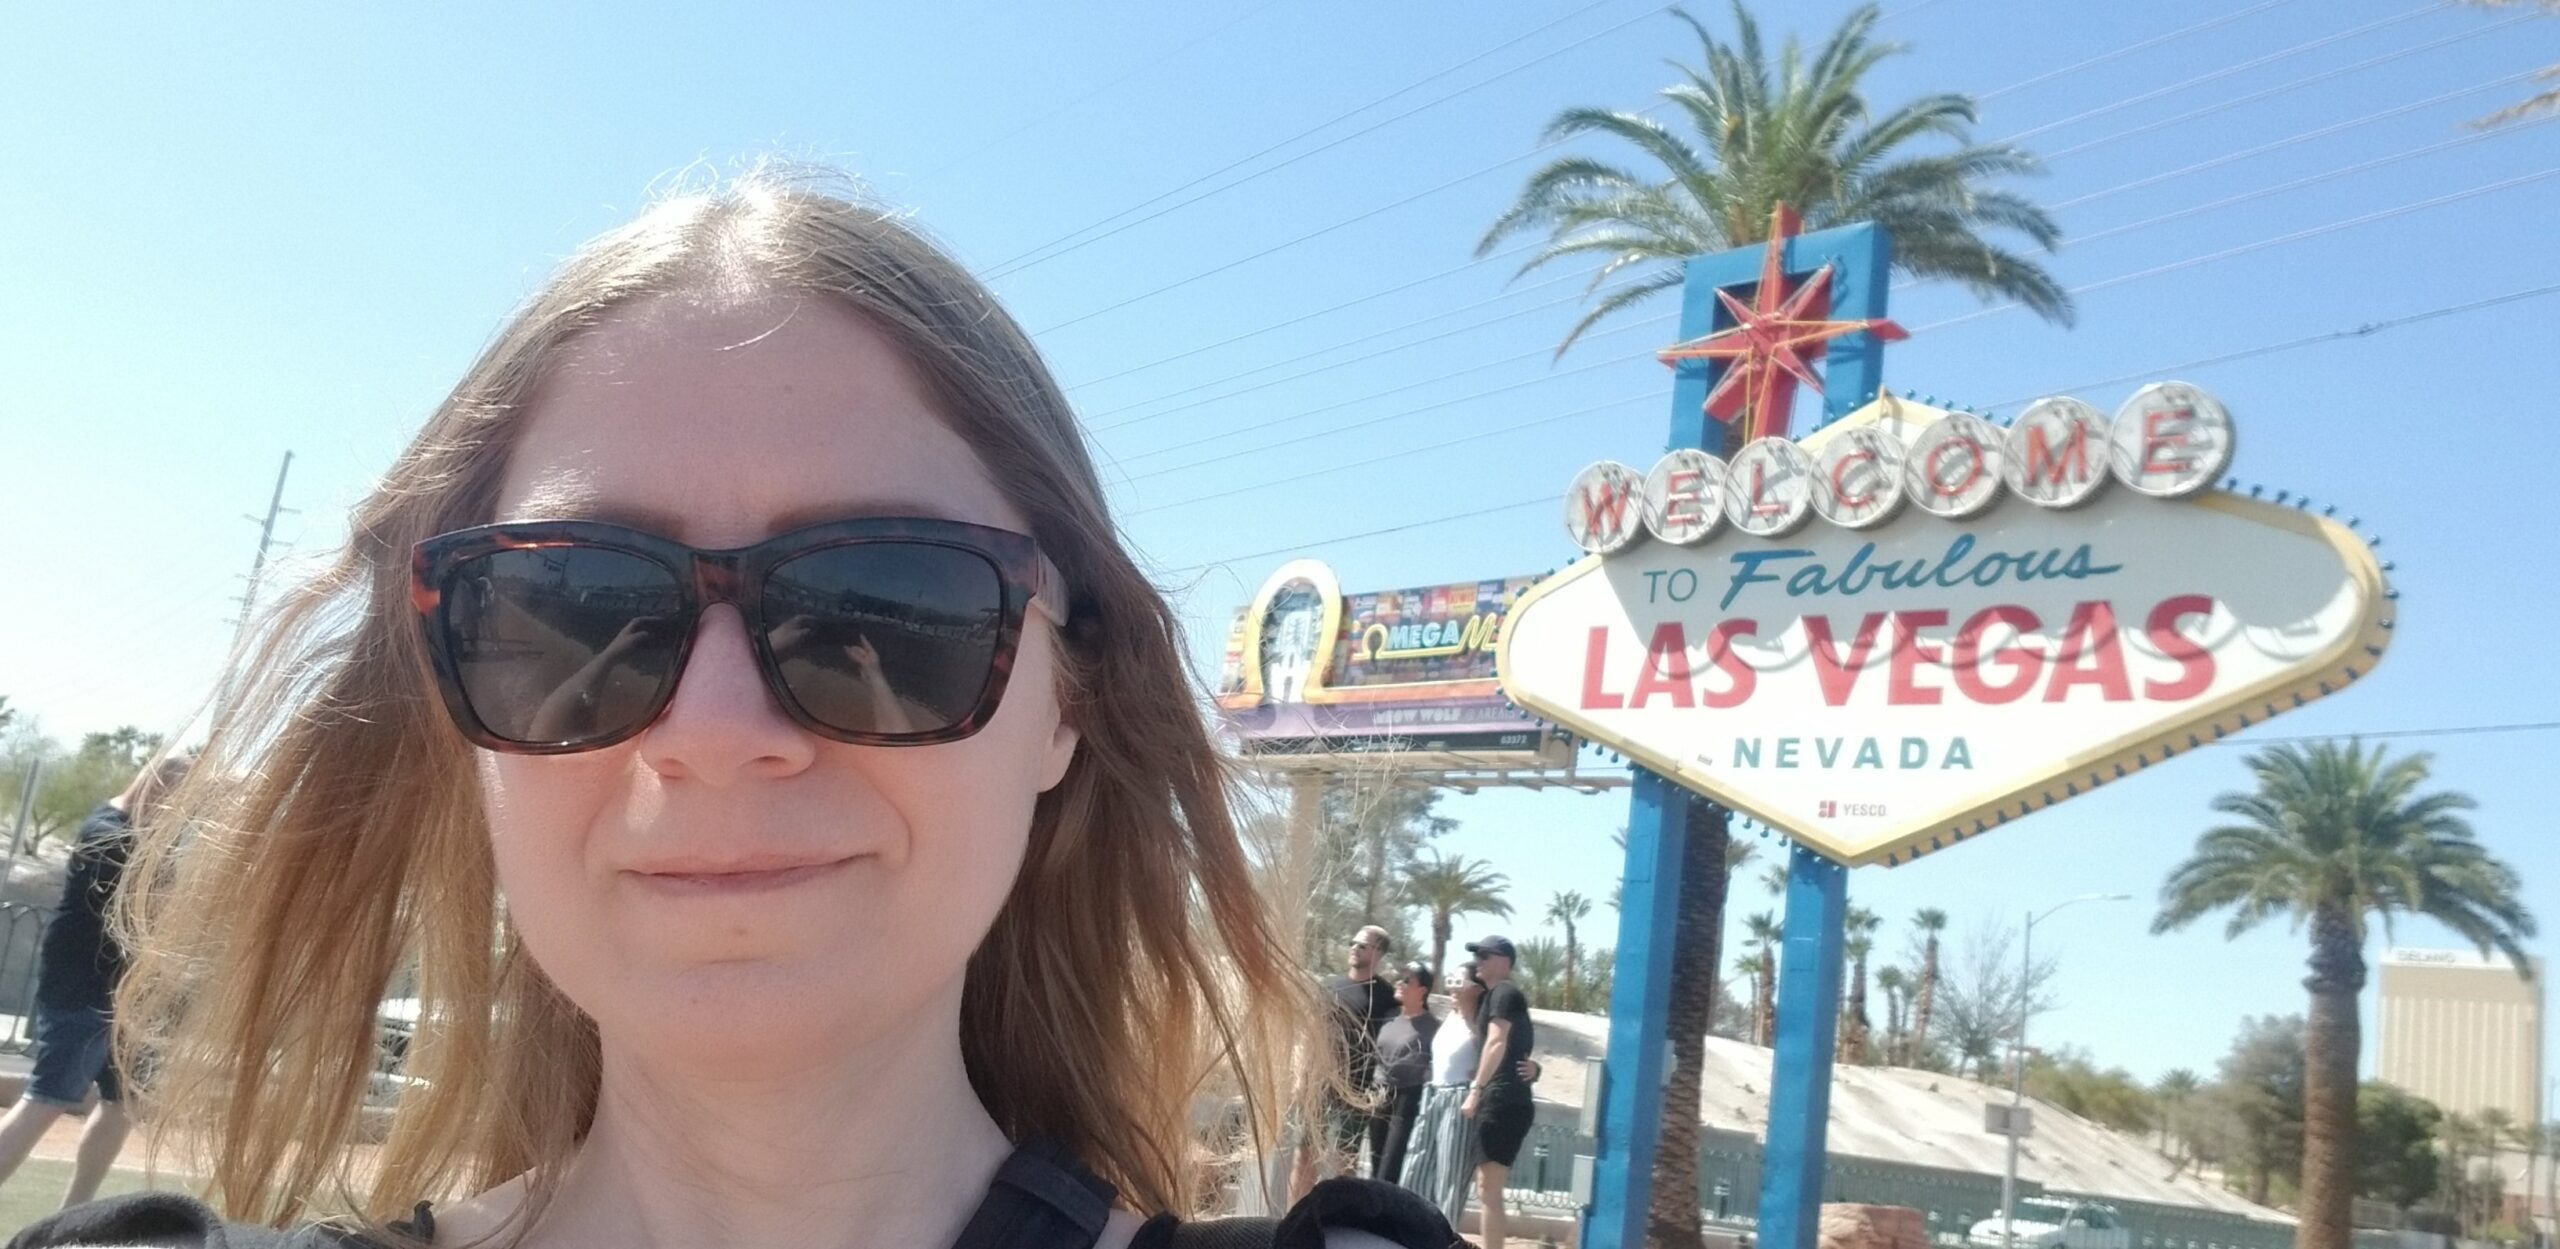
pixel 798 517
pixel 668 523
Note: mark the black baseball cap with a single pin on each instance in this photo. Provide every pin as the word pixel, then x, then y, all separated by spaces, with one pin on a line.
pixel 1492 946
pixel 1421 973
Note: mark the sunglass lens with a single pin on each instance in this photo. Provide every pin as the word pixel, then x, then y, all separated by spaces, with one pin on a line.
pixel 563 644
pixel 889 639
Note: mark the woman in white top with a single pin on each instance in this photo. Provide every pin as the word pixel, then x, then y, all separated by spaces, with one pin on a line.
pixel 1441 1157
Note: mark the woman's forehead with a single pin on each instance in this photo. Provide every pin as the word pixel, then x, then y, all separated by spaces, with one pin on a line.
pixel 722 425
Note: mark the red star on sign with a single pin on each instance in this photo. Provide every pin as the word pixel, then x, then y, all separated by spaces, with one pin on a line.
pixel 1768 339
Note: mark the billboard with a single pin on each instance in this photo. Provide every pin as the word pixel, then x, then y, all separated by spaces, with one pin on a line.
pixel 1312 673
pixel 2011 631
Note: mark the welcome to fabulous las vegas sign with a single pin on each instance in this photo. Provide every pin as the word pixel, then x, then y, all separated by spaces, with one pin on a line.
pixel 1914 625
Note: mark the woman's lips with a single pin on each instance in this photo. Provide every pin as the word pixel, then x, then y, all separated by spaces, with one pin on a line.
pixel 752 880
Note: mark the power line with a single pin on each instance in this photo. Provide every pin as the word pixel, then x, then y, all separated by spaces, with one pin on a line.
pixel 1444 444
pixel 2295 85
pixel 2260 245
pixel 2326 175
pixel 2241 739
pixel 1371 422
pixel 1230 341
pixel 2456 730
pixel 1337 142
pixel 2129 49
pixel 1150 294
pixel 2291 141
pixel 1088 97
pixel 1461 268
pixel 2219 74
pixel 1368 533
pixel 2362 331
pixel 2192 262
pixel 1499 165
pixel 1317 233
pixel 1024 260
pixel 2366 330
pixel 1900 284
pixel 1470 327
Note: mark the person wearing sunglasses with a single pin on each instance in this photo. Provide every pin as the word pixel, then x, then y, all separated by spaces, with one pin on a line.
pixel 737 715
pixel 1360 1001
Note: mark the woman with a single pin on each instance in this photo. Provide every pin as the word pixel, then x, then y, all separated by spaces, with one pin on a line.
pixel 1441 1160
pixel 797 842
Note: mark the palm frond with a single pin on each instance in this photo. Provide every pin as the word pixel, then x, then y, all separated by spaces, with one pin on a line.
pixel 1624 297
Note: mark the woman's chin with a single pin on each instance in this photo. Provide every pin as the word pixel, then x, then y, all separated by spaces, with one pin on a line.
pixel 746 1018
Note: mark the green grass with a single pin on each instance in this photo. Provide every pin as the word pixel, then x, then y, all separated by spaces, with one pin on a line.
pixel 36 1190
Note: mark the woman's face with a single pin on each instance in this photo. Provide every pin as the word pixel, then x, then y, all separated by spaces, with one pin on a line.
pixel 631 871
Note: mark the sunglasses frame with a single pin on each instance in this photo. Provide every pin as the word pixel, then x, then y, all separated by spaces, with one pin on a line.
pixel 735 576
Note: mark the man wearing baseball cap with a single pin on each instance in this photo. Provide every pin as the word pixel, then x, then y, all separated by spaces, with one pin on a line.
pixel 1499 1101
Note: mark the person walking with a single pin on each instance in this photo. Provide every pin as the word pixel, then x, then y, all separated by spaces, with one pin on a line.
pixel 1404 1067
pixel 1498 1101
pixel 77 966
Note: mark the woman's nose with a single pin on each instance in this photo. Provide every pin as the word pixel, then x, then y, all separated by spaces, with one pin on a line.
pixel 724 724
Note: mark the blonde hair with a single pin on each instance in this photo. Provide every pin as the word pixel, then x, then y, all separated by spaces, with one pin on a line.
pixel 334 834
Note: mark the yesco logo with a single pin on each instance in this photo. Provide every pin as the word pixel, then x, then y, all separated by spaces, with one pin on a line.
pixel 2170 440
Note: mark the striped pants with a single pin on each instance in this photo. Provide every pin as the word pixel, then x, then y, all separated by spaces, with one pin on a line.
pixel 1440 1162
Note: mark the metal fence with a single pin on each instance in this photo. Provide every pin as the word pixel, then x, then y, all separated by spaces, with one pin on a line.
pixel 22 928
pixel 1950 1201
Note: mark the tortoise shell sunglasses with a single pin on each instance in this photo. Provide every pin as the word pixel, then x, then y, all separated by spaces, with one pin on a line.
pixel 558 636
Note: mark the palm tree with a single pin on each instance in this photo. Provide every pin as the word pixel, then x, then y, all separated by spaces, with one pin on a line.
pixel 1859 927
pixel 2174 1090
pixel 2462 1137
pixel 1894 982
pixel 1798 133
pixel 2333 835
pixel 1930 921
pixel 1766 933
pixel 2534 1139
pixel 1569 908
pixel 1449 887
pixel 1540 967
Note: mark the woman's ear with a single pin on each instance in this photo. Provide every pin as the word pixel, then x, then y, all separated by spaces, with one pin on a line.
pixel 1063 740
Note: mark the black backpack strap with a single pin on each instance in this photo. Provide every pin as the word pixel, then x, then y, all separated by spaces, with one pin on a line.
pixel 1372 1206
pixel 1210 1234
pixel 1395 1214
pixel 1040 1200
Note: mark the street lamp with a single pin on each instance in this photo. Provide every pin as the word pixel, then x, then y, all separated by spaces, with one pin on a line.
pixel 2018 1075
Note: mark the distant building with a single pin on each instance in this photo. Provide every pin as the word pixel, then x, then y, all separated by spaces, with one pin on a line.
pixel 2462 1031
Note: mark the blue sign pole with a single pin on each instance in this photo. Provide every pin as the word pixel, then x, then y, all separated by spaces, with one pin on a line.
pixel 1808 1024
pixel 1636 1063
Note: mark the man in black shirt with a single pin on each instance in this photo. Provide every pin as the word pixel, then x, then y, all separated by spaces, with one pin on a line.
pixel 1361 1003
pixel 1500 1103
pixel 77 967
pixel 1404 1066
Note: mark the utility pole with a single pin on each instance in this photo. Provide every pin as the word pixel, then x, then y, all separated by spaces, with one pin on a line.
pixel 18 833
pixel 266 535
pixel 2018 1068
pixel 249 593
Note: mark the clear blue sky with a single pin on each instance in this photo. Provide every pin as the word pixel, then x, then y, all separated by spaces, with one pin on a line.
pixel 229 233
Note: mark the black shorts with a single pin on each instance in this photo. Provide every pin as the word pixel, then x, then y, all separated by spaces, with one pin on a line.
pixel 1503 1118
pixel 75 1052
